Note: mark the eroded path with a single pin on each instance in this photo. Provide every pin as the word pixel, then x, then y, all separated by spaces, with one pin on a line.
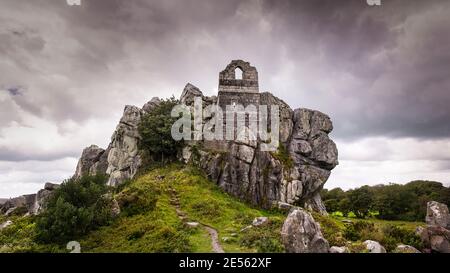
pixel 175 201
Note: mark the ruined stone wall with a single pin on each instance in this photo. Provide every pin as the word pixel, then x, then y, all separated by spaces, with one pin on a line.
pixel 248 83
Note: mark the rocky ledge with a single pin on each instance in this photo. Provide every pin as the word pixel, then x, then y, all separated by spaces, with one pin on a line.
pixel 293 175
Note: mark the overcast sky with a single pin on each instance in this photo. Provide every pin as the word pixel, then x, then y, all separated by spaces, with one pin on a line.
pixel 381 73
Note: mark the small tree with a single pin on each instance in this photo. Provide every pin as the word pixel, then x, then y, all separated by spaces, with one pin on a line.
pixel 361 201
pixel 75 208
pixel 155 130
pixel 344 206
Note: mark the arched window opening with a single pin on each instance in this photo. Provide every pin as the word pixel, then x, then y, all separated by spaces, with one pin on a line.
pixel 238 73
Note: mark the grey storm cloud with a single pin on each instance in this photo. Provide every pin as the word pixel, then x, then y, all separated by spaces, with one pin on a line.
pixel 381 73
pixel 377 71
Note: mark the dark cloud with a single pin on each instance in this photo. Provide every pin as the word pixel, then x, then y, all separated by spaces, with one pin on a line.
pixel 17 155
pixel 377 71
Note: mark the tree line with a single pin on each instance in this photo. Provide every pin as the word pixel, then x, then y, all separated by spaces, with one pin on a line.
pixel 389 202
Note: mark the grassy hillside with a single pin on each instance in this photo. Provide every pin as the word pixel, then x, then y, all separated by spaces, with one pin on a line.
pixel 161 230
pixel 150 221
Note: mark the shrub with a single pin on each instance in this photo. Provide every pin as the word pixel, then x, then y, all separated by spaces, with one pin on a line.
pixel 330 230
pixel 283 156
pixel 361 230
pixel 394 235
pixel 75 208
pixel 264 238
pixel 388 236
pixel 155 130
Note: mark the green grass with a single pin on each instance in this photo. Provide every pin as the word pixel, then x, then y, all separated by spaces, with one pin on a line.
pixel 160 230
pixel 19 237
pixel 149 221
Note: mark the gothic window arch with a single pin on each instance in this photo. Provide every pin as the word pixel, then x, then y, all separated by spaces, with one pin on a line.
pixel 238 73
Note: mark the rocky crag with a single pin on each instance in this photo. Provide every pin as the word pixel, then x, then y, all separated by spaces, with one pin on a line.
pixel 29 203
pixel 436 235
pixel 293 175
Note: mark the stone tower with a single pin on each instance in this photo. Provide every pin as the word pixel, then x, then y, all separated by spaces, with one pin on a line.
pixel 229 83
pixel 235 91
pixel 242 91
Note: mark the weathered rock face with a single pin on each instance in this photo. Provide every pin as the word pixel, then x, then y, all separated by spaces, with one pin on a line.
pixel 93 160
pixel 123 157
pixel 374 247
pixel 439 239
pixel 29 203
pixel 260 177
pixel 436 235
pixel 301 234
pixel 438 215
pixel 121 160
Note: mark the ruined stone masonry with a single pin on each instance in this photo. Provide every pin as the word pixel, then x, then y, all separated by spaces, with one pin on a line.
pixel 293 175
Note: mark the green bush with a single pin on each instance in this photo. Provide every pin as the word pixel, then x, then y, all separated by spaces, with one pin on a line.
pixel 266 238
pixel 330 230
pixel 388 236
pixel 394 235
pixel 155 130
pixel 74 209
pixel 361 230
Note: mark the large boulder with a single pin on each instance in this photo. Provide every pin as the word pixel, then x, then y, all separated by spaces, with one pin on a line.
pixel 374 247
pixel 24 203
pixel 301 234
pixel 436 235
pixel 42 196
pixel 438 239
pixel 260 221
pixel 91 162
pixel 339 249
pixel 149 106
pixel 5 224
pixel 437 215
pixel 189 93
